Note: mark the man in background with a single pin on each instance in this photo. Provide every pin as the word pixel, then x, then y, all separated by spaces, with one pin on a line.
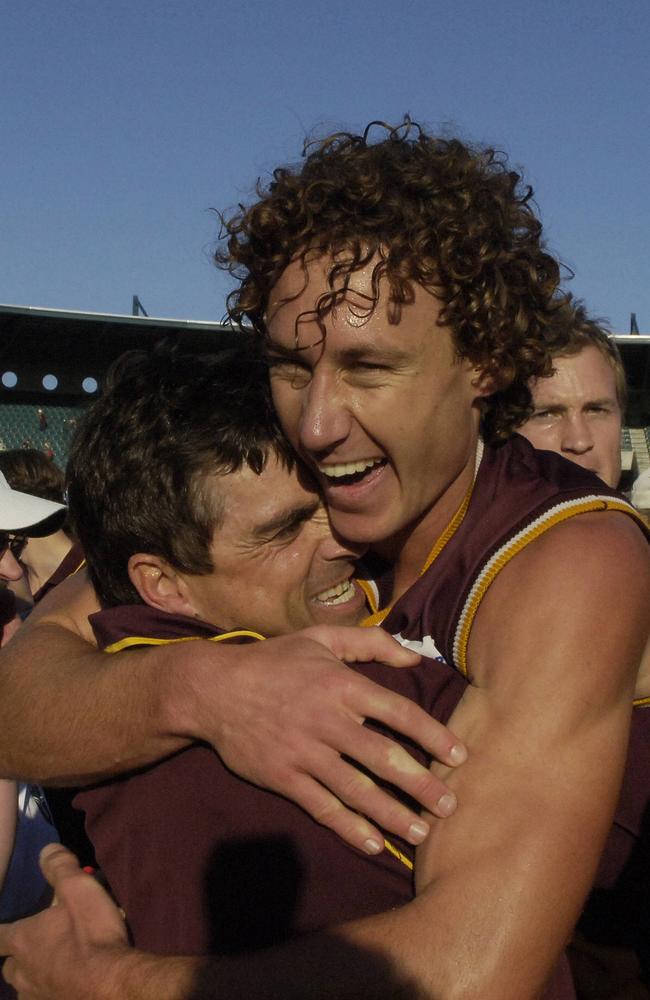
pixel 52 555
pixel 578 410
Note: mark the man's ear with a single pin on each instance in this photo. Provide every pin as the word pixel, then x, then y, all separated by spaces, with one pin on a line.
pixel 159 584
pixel 483 383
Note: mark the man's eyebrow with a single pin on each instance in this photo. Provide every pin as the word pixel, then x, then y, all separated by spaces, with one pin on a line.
pixel 349 355
pixel 373 352
pixel 602 401
pixel 286 519
pixel 273 350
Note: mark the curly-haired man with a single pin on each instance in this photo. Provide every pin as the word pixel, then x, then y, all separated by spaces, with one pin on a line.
pixel 399 282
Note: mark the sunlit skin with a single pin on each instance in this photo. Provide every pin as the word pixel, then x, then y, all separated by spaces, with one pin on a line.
pixel 277 566
pixel 381 390
pixel 577 414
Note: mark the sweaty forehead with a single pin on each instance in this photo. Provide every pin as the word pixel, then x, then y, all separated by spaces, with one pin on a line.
pixel 304 304
pixel 305 281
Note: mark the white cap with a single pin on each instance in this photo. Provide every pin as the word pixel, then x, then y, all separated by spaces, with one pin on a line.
pixel 640 496
pixel 22 511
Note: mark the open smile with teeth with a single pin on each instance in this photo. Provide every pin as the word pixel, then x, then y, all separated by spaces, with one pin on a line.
pixel 339 594
pixel 340 469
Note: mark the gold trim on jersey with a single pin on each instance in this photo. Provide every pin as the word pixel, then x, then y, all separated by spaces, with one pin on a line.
pixel 377 616
pixel 370 590
pixel 555 515
pixel 144 640
pixel 398 854
pixel 641 703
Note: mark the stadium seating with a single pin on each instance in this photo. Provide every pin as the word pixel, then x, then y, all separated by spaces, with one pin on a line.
pixel 47 427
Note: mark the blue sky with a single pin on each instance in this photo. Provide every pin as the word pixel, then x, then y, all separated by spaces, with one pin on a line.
pixel 123 124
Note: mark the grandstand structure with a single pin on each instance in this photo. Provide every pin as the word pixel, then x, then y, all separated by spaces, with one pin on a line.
pixel 52 362
pixel 635 443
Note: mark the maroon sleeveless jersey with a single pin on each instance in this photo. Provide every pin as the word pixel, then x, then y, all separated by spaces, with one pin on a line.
pixel 518 494
pixel 202 861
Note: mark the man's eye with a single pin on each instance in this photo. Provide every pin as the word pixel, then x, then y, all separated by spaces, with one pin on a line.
pixel 290 370
pixel 542 415
pixel 368 371
pixel 287 533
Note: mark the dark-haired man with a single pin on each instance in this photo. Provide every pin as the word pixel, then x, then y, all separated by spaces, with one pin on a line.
pixel 400 282
pixel 197 523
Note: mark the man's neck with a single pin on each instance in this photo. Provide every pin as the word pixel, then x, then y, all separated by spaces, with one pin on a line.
pixel 44 557
pixel 408 551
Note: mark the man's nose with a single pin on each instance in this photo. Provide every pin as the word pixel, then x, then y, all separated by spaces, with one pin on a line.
pixel 10 569
pixel 332 546
pixel 577 436
pixel 325 418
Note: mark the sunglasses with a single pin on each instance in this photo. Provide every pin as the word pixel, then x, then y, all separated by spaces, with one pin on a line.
pixel 15 543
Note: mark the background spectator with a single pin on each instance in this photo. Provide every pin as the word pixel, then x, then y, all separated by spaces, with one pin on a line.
pixel 50 553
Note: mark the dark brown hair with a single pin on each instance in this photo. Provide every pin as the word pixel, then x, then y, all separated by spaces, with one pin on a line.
pixel 436 211
pixel 139 460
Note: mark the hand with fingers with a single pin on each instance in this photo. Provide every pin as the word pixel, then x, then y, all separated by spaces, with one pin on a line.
pixel 293 711
pixel 69 951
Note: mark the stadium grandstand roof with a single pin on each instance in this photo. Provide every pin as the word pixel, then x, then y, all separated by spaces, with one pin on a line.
pixel 73 346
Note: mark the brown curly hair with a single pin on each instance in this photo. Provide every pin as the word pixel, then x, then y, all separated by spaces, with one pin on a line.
pixel 435 211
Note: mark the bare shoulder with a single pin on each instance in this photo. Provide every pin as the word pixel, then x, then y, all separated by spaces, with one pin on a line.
pixel 68 605
pixel 578 596
pixel 610 538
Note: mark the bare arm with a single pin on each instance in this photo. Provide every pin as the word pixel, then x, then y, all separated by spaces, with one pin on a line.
pixel 554 654
pixel 280 713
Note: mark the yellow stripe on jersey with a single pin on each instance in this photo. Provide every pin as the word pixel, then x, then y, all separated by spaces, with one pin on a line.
pixel 377 616
pixel 556 515
pixel 371 599
pixel 375 619
pixel 144 640
pixel 641 703
pixel 77 568
pixel 450 530
pixel 398 854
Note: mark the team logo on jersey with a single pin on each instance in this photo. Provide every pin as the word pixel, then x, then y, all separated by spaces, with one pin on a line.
pixel 425 646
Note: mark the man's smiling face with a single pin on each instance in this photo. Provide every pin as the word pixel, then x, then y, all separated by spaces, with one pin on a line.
pixel 277 565
pixel 376 402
